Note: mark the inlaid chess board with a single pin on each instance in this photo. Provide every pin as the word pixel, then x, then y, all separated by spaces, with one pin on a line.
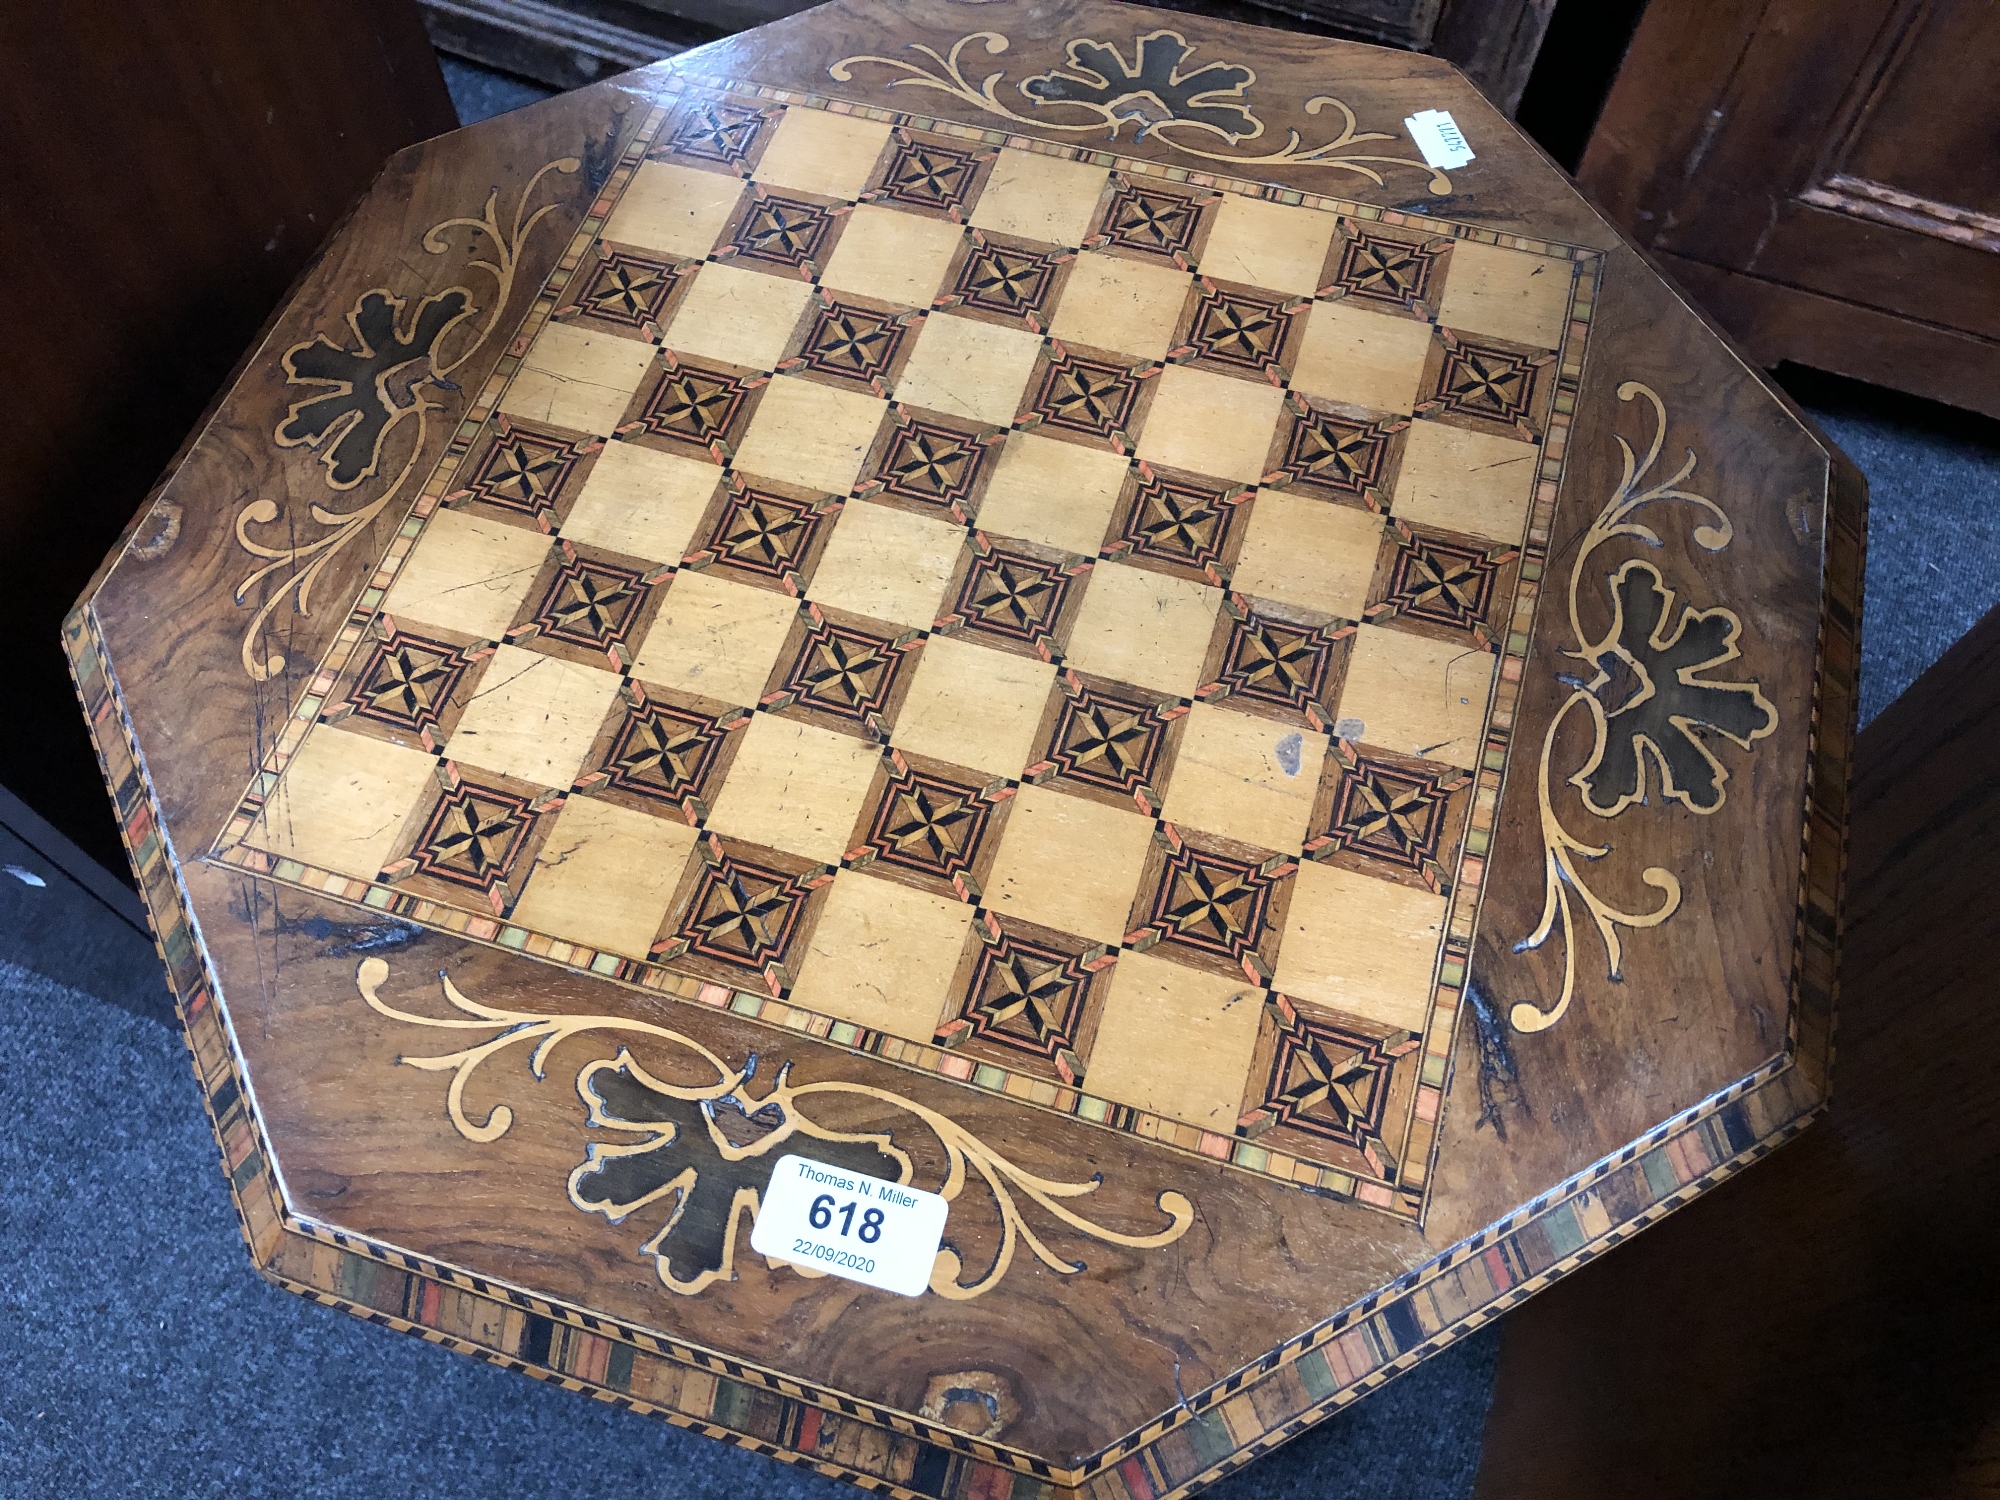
pixel 1052 614
pixel 1009 609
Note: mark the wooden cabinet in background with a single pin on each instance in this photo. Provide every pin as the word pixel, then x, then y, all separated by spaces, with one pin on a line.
pixel 1823 179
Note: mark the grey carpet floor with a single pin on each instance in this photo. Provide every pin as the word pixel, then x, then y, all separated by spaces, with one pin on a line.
pixel 140 1355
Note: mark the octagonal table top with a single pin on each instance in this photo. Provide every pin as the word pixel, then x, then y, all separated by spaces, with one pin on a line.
pixel 1054 604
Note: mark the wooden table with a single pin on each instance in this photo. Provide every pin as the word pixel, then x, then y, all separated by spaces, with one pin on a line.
pixel 1020 600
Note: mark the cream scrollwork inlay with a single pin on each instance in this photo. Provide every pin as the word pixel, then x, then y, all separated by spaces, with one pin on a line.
pixel 709 1146
pixel 365 389
pixel 1655 668
pixel 1191 109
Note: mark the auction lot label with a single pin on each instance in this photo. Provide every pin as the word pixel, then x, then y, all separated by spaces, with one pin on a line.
pixel 881 1234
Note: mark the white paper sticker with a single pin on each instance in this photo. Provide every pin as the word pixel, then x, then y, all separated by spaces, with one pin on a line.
pixel 881 1234
pixel 1437 135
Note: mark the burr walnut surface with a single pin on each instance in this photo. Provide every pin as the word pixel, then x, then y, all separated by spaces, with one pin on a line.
pixel 1019 600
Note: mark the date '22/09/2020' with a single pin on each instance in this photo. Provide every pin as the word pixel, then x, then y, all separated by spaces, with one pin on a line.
pixel 881 1234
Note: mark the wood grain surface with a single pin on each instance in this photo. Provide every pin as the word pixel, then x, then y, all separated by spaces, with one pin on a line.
pixel 1186 1309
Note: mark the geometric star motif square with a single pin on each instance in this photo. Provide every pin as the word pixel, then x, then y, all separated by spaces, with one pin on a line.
pixel 629 290
pixel 695 405
pixel 1143 218
pixel 929 463
pixel 846 672
pixel 1185 526
pixel 1001 279
pixel 783 232
pixel 1108 742
pixel 1014 596
pixel 854 344
pixel 925 175
pixel 773 538
pixel 1343 454
pixel 1328 1076
pixel 1240 331
pixel 1088 396
pixel 588 604
pixel 1388 815
pixel 929 822
pixel 746 914
pixel 717 132
pixel 1455 584
pixel 1488 382
pixel 1210 908
pixel 479 837
pixel 407 683
pixel 663 755
pixel 1285 666
pixel 1379 269
pixel 1024 998
pixel 523 472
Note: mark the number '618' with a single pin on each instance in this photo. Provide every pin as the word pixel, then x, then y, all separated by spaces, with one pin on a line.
pixel 824 1211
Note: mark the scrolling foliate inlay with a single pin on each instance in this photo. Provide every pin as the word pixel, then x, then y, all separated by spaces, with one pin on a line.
pixel 1652 703
pixel 710 1145
pixel 1155 92
pixel 363 395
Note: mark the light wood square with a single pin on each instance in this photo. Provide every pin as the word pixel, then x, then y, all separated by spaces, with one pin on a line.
pixel 1274 245
pixel 715 638
pixel 738 316
pixel 1363 358
pixel 675 209
pixel 1144 627
pixel 1473 482
pixel 1212 424
pixel 342 802
pixel 1069 864
pixel 1417 696
pixel 970 369
pixel 809 434
pixel 1129 306
pixel 1245 777
pixel 1511 294
pixel 796 787
pixel 1175 1041
pixel 974 706
pixel 605 876
pixel 1040 198
pixel 882 956
pixel 467 573
pixel 887 564
pixel 1058 494
pixel 642 502
pixel 819 152
pixel 1362 945
pixel 580 378
pixel 1309 552
pixel 891 256
pixel 533 717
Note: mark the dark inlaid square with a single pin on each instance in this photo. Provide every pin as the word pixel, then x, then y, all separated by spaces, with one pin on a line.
pixel 1013 595
pixel 1214 905
pixel 1341 454
pixel 1145 218
pixel 1391 816
pixel 663 753
pixel 1276 662
pixel 1109 742
pixel 524 472
pixel 853 343
pixel 1322 1078
pixel 1187 527
pixel 783 232
pixel 1445 581
pixel 716 132
pixel 929 464
pixel 478 838
pixel 1484 382
pixel 629 290
pixel 928 821
pixel 926 175
pixel 1086 396
pixel 842 672
pixel 407 683
pixel 1377 268
pixel 693 404
pixel 743 915
pixel 769 536
pixel 586 603
pixel 1027 998
pixel 1240 331
pixel 1001 279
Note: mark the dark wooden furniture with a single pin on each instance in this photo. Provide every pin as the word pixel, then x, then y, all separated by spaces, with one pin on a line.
pixel 133 278
pixel 1269 718
pixel 1823 1298
pixel 569 43
pixel 1821 178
